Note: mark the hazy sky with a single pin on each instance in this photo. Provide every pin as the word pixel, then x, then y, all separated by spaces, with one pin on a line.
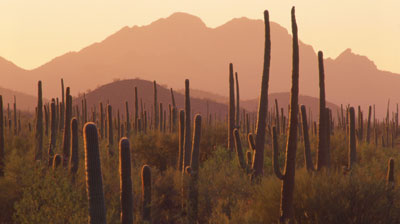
pixel 34 32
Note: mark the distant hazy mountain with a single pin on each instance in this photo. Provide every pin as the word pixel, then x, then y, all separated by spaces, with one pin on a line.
pixel 182 46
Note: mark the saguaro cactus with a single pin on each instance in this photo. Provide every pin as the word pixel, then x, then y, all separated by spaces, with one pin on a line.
pixel 15 116
pixel 352 139
pixel 53 131
pixel 39 124
pixel 74 158
pixel 181 139
pixel 187 140
pixel 155 107
pixel 67 128
pixel 94 182
pixel 237 101
pixel 194 173
pixel 231 111
pixel 101 120
pixel 322 152
pixel 1 138
pixel 369 124
pixel 239 151
pixel 390 173
pixel 110 130
pixel 62 109
pixel 286 209
pixel 128 123
pixel 258 156
pixel 136 110
pixel 125 182
pixel 307 148
pixel 146 193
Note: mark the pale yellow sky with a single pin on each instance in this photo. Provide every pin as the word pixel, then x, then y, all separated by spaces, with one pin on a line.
pixel 34 32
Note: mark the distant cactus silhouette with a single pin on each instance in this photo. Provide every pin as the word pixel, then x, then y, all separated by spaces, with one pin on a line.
pixel 136 109
pixel 369 124
pixel 39 124
pixel 237 113
pixel 258 157
pixel 352 139
pixel 67 128
pixel 231 111
pixel 94 180
pixel 155 107
pixel 187 140
pixel 128 123
pixel 146 193
pixel 74 154
pixel 307 148
pixel 53 132
pixel 101 121
pixel 125 182
pixel 110 130
pixel 181 139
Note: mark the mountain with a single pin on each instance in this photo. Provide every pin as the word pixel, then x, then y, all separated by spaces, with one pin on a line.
pixel 121 91
pixel 181 46
pixel 25 102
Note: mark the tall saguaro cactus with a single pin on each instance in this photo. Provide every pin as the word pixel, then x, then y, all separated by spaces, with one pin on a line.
pixel 125 182
pixel 181 139
pixel 239 151
pixel 155 107
pixel 110 130
pixel 194 173
pixel 53 131
pixel 128 123
pixel 39 124
pixel 94 181
pixel 1 137
pixel 237 101
pixel 369 124
pixel 101 120
pixel 15 116
pixel 67 128
pixel 306 138
pixel 74 155
pixel 286 209
pixel 352 138
pixel 231 111
pixel 136 110
pixel 187 140
pixel 146 193
pixel 258 156
pixel 323 151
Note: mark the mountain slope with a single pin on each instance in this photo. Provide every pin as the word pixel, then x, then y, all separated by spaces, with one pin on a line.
pixel 182 46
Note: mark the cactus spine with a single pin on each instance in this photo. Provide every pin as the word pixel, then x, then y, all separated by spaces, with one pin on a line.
pixel 231 111
pixel 146 193
pixel 352 139
pixel 94 182
pixel 125 182
pixel 187 140
pixel 258 157
pixel 286 209
pixel 74 158
pixel 39 124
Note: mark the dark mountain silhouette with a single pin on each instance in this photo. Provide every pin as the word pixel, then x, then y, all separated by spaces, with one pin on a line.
pixel 182 46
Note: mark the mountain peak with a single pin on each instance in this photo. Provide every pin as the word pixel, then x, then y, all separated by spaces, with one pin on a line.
pixel 181 19
pixel 350 57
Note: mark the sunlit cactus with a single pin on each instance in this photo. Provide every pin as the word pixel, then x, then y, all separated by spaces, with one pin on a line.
pixel 94 180
pixel 126 196
pixel 146 193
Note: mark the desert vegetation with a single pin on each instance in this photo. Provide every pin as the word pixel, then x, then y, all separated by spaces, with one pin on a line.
pixel 80 163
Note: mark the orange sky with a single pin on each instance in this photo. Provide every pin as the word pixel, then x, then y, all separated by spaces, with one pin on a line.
pixel 34 32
